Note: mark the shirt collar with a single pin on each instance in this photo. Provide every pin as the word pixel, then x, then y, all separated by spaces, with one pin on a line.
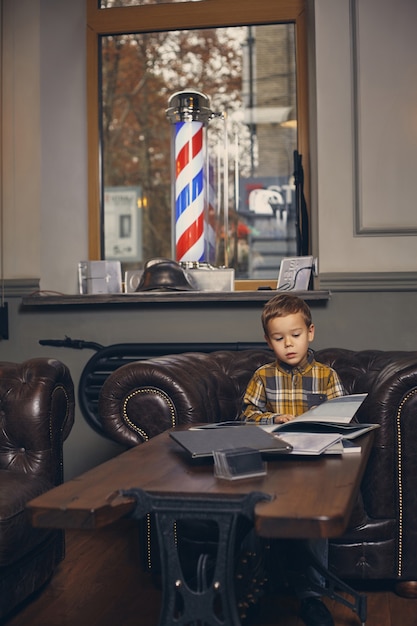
pixel 302 368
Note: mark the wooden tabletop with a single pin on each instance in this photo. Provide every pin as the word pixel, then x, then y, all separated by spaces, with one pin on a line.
pixel 311 497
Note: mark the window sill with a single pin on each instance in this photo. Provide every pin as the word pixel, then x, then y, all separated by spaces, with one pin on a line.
pixel 166 297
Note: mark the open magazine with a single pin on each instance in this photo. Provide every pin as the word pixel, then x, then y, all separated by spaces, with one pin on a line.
pixel 332 416
pixel 311 432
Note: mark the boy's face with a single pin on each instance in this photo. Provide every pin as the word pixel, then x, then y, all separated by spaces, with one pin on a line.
pixel 289 338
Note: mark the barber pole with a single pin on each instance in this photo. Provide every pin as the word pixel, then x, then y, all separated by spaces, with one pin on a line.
pixel 189 114
pixel 190 193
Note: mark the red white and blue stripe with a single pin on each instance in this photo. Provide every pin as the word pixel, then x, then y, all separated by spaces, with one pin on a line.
pixel 189 191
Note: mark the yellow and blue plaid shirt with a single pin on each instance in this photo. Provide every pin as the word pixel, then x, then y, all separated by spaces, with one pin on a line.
pixel 277 389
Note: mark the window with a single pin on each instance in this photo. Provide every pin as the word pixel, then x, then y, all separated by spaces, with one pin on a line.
pixel 138 57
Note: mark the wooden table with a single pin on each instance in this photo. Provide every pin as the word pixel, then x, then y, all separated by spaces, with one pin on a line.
pixel 297 498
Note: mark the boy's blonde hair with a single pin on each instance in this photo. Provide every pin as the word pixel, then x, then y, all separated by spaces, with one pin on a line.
pixel 282 305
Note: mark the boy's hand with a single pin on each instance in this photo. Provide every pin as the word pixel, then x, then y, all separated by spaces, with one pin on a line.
pixel 281 419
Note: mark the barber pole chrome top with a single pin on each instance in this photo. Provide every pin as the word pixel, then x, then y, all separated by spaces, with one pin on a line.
pixel 187 106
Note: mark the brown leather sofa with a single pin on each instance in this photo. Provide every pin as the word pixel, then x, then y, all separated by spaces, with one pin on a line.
pixel 141 399
pixel 36 415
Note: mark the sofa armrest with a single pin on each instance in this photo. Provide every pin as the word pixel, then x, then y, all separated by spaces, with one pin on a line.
pixel 387 490
pixel 142 399
pixel 37 402
pixel 392 403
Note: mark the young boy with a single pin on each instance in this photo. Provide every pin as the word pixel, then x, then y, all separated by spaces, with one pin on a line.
pixel 278 392
pixel 295 382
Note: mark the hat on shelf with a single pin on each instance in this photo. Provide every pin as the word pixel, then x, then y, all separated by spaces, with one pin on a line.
pixel 164 275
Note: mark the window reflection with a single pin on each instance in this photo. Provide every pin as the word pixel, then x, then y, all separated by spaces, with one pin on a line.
pixel 249 74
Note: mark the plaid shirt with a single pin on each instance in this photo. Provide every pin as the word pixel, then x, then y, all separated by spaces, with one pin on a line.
pixel 277 388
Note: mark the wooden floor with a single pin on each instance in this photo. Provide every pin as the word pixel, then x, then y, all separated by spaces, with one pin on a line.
pixel 100 583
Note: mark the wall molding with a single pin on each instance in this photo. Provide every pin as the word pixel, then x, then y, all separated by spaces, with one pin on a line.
pixel 19 287
pixel 361 228
pixel 369 281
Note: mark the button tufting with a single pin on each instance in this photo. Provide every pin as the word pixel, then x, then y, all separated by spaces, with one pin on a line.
pixel 362 563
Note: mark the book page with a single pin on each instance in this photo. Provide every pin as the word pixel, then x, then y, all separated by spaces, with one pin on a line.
pixel 310 443
pixel 337 411
pixel 336 414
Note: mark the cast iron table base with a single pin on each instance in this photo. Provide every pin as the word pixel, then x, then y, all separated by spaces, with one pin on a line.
pixel 212 600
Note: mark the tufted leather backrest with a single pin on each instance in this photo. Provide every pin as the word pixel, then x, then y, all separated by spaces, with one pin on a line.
pixel 359 370
pixel 36 415
pixel 143 398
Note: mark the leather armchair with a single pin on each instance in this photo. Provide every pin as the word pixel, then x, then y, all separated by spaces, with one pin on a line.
pixel 141 399
pixel 36 415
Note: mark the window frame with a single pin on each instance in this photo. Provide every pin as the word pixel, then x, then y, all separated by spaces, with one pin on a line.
pixel 178 16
